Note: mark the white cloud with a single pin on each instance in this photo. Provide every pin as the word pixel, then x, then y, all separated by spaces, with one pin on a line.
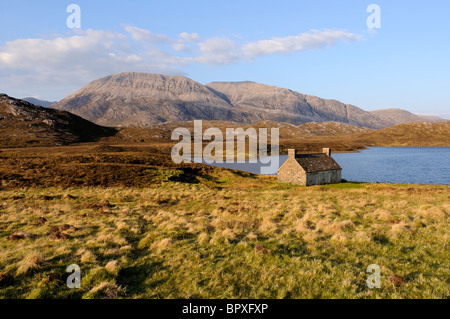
pixel 189 37
pixel 65 63
pixel 181 46
pixel 218 51
pixel 143 35
pixel 314 40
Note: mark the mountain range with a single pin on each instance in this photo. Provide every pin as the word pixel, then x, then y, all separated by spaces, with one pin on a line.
pixel 23 124
pixel 38 102
pixel 143 99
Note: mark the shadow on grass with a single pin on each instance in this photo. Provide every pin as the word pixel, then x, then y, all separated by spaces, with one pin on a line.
pixel 134 277
pixel 381 239
pixel 185 178
pixel 244 174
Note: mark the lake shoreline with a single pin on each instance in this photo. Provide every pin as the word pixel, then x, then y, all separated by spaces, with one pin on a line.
pixel 393 165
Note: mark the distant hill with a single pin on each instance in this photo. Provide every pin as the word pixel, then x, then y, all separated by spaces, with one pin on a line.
pixel 142 99
pixel 333 128
pixel 408 134
pixel 398 116
pixel 26 124
pixel 38 102
pixel 286 130
pixel 311 129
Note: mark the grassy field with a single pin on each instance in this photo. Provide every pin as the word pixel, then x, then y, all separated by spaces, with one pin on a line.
pixel 236 237
pixel 141 227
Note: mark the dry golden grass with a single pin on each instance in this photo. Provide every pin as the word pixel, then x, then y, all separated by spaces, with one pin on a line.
pixel 235 237
pixel 88 257
pixel 113 267
pixel 32 260
pixel 104 290
pixel 146 228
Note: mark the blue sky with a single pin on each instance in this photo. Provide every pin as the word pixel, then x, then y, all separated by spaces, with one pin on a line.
pixel 322 48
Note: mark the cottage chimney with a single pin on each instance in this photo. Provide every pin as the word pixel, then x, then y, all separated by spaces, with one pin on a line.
pixel 291 153
pixel 326 151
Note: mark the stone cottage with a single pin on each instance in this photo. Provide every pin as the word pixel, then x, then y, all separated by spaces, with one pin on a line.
pixel 310 169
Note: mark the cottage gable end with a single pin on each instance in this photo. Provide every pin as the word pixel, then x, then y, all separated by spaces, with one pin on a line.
pixel 290 164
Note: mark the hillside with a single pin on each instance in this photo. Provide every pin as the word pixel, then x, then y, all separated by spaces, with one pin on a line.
pixel 25 124
pixel 289 106
pixel 398 116
pixel 306 137
pixel 409 134
pixel 332 128
pixel 345 137
pixel 141 99
pixel 286 130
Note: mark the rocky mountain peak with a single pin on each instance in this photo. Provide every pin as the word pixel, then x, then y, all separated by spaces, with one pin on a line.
pixel 142 99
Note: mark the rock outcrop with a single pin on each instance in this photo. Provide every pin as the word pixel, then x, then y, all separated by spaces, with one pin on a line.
pixel 26 124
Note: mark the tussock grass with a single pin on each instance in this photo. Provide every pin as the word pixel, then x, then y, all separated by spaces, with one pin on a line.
pixel 113 267
pixel 105 290
pixel 88 257
pixel 234 237
pixel 31 261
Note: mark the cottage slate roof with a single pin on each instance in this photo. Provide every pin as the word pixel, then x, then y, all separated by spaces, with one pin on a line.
pixel 317 162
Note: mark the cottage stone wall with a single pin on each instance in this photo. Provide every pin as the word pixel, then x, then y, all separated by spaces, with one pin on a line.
pixel 325 177
pixel 291 173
